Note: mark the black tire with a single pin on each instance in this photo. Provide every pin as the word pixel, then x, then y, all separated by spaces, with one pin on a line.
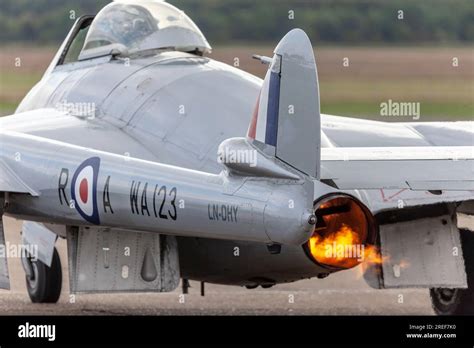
pixel 45 284
pixel 458 301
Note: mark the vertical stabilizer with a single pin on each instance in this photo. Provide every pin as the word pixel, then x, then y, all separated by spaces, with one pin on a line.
pixel 287 116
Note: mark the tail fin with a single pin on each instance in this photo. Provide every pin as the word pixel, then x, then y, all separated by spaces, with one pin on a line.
pixel 287 115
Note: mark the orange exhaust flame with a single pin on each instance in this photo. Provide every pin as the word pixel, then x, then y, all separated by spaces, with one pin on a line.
pixel 404 264
pixel 344 249
pixel 343 237
pixel 373 256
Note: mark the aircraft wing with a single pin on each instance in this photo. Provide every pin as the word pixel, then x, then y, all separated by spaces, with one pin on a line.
pixel 414 168
pixel 11 182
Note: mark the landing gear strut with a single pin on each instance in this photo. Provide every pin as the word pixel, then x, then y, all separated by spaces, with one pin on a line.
pixel 42 282
pixel 458 301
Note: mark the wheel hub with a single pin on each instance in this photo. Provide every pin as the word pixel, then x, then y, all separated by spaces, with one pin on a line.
pixel 446 296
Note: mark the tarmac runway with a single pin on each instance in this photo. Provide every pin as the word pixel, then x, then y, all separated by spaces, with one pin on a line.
pixel 344 293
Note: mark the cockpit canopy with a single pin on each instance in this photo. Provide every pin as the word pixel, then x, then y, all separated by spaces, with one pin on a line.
pixel 134 26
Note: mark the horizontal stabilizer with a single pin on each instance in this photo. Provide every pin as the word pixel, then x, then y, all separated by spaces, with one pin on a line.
pixel 415 168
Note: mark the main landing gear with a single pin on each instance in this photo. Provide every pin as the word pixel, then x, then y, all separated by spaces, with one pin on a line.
pixel 42 282
pixel 458 301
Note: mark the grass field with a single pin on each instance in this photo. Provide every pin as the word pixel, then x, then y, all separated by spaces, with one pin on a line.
pixel 374 75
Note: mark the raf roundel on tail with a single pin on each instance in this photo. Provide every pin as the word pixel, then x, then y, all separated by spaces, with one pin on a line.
pixel 84 190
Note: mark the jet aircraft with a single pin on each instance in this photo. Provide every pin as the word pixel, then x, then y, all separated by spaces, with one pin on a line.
pixel 159 164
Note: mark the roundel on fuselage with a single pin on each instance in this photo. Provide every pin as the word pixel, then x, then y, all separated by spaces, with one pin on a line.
pixel 84 190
